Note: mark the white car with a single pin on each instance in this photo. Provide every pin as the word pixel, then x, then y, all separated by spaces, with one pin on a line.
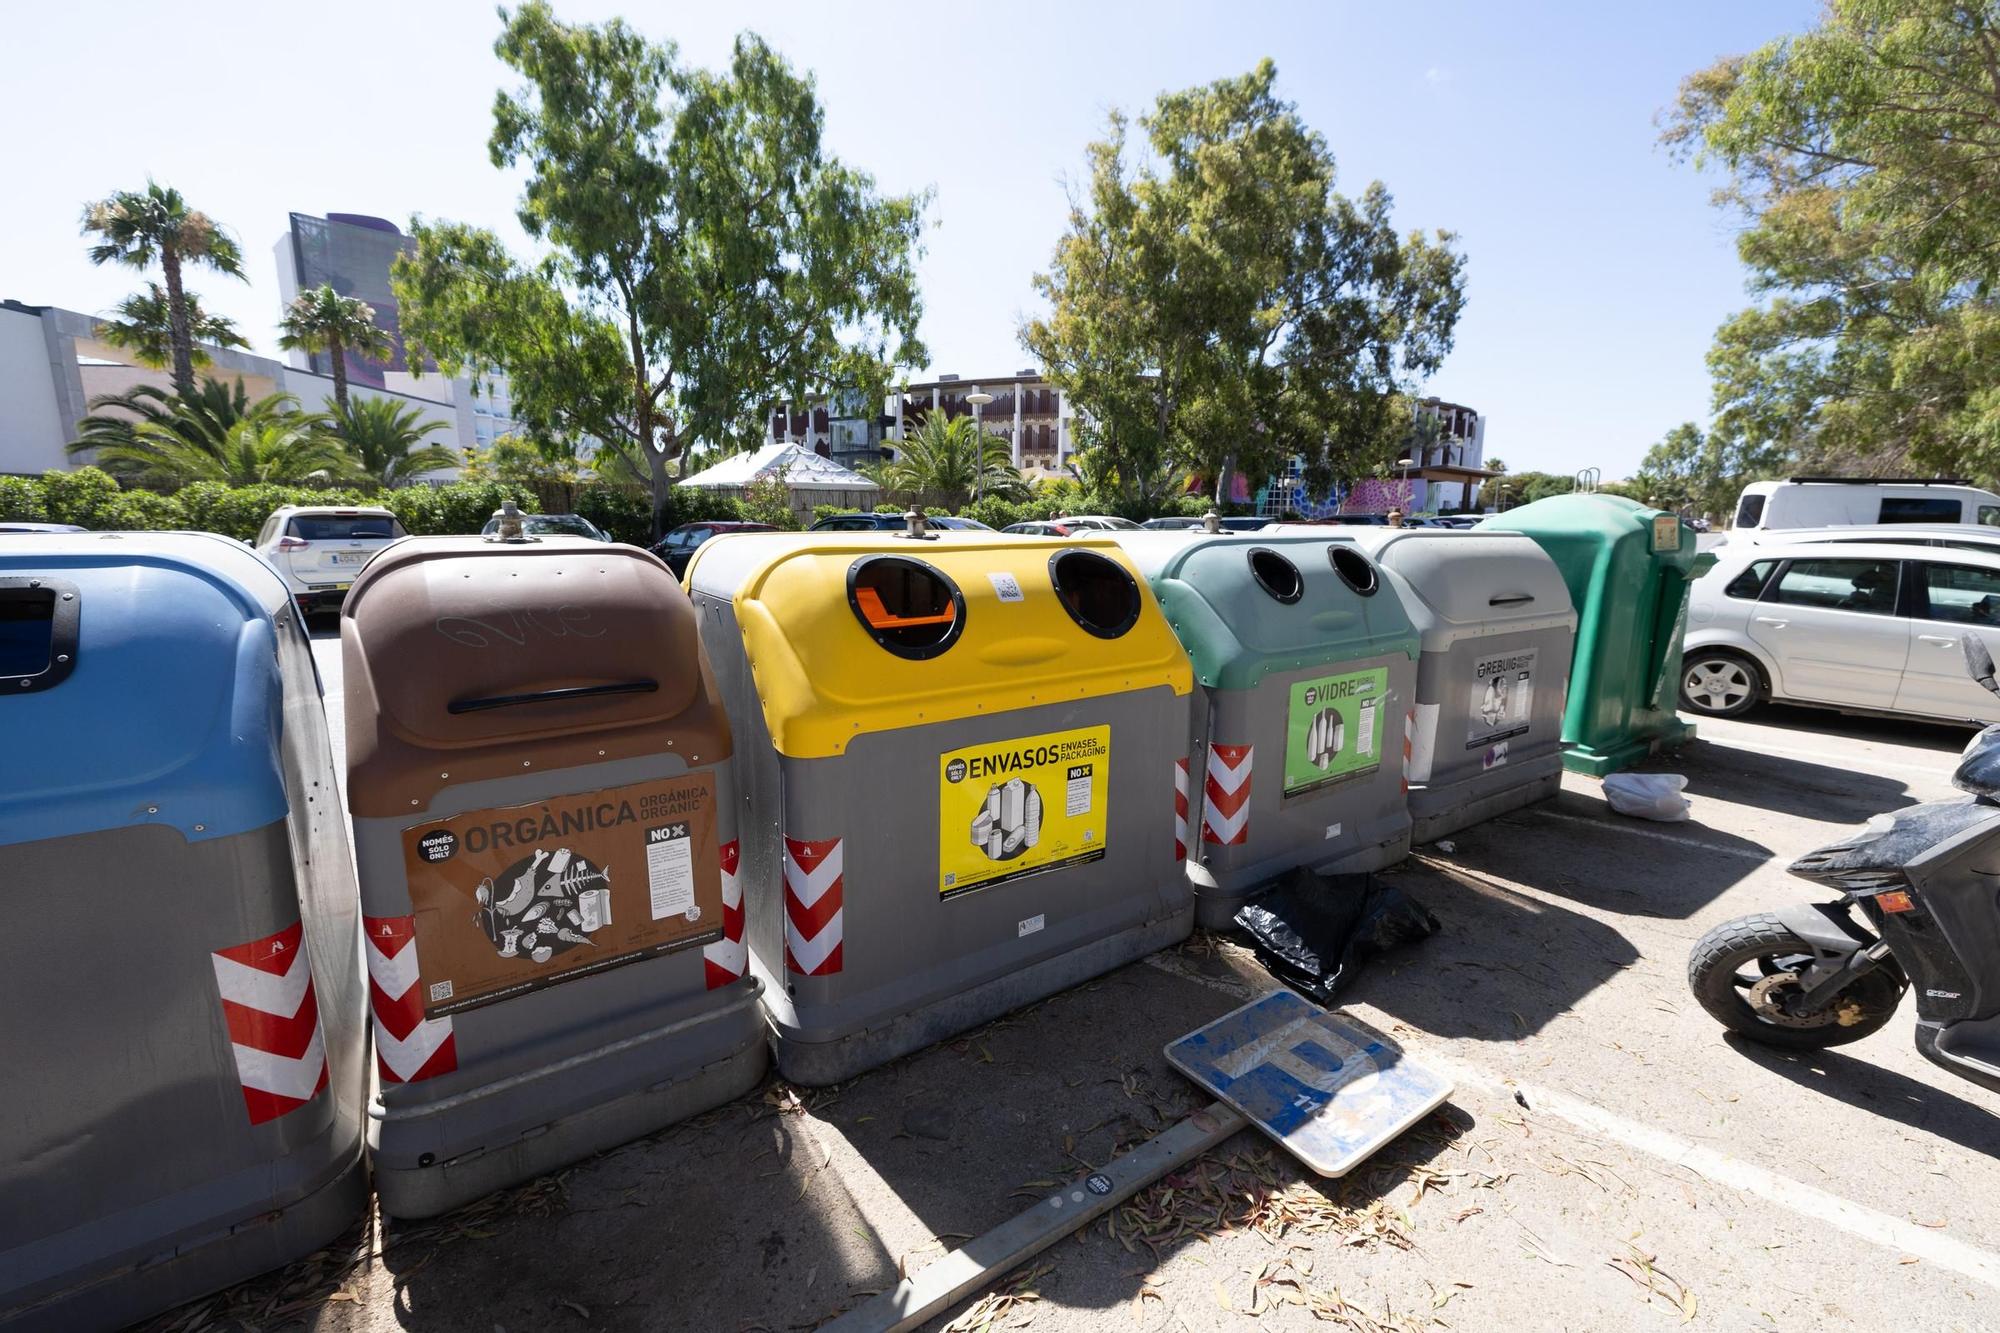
pixel 1871 627
pixel 1960 536
pixel 318 550
pixel 1096 522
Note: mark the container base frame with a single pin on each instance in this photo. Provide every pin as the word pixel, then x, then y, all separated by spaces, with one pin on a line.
pixel 818 1063
pixel 426 1191
pixel 1439 812
pixel 1215 906
pixel 249 1247
pixel 1595 763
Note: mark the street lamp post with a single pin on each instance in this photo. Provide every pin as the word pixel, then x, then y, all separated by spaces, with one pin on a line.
pixel 1404 465
pixel 978 398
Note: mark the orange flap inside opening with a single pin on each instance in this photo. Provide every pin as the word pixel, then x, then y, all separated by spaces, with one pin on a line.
pixel 878 617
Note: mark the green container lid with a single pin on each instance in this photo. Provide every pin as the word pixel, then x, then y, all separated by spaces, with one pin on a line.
pixel 1246 605
pixel 1627 567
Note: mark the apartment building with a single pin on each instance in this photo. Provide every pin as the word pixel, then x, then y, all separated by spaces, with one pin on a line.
pixel 1033 416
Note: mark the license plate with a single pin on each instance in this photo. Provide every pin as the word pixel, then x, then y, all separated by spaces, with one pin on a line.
pixel 346 557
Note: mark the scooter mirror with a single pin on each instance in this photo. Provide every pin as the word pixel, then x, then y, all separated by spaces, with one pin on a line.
pixel 1978 661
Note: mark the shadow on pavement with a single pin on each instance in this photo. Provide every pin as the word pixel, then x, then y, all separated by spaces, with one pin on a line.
pixel 1610 861
pixel 729 1219
pixel 1884 1092
pixel 1797 787
pixel 971 1132
pixel 1504 966
pixel 1804 723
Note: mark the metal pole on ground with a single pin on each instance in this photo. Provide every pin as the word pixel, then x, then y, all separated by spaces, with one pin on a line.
pixel 1011 1244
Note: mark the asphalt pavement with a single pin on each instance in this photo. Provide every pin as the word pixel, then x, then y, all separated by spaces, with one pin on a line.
pixel 1609 1159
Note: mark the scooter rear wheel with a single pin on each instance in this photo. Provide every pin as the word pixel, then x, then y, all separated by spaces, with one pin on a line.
pixel 1744 973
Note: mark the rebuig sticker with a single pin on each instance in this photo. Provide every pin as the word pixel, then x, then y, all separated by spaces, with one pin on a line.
pixel 510 900
pixel 1013 807
pixel 1503 698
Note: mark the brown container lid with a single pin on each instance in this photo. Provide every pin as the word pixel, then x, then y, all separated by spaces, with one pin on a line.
pixel 467 659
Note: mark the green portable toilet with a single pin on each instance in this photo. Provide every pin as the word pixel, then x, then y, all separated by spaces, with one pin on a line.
pixel 1306 661
pixel 1628 568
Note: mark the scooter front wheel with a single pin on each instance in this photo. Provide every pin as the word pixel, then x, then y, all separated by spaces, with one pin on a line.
pixel 1746 975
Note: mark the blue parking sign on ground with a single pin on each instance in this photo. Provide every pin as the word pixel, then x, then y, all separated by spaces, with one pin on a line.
pixel 1328 1091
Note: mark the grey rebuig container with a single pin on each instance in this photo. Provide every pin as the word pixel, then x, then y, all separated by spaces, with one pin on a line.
pixel 1498 630
pixel 538 768
pixel 182 1027
pixel 956 757
pixel 1306 661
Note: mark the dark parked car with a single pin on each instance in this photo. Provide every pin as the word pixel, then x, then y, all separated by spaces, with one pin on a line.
pixel 551 525
pixel 860 522
pixel 24 526
pixel 1037 529
pixel 678 546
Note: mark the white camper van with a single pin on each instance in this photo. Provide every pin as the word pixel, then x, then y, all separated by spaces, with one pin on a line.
pixel 1832 502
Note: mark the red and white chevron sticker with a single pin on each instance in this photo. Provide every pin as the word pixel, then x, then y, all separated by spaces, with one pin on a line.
pixel 408 1046
pixel 1225 809
pixel 725 960
pixel 812 906
pixel 273 1018
pixel 1180 809
pixel 1409 741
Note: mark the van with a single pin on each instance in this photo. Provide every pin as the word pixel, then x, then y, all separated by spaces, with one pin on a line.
pixel 1827 502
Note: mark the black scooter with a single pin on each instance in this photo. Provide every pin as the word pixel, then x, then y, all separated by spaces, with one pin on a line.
pixel 1925 883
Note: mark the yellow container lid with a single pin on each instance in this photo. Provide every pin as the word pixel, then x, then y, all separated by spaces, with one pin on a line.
pixel 850 634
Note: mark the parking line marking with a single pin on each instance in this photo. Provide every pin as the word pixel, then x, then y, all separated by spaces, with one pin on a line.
pixel 1796 1196
pixel 1654 834
pixel 1845 762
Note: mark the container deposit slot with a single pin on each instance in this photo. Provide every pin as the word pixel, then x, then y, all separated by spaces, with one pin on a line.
pixel 1354 569
pixel 1099 594
pixel 1276 575
pixel 907 606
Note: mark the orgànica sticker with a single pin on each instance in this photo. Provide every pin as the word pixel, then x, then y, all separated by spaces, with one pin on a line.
pixel 1016 807
pixel 509 900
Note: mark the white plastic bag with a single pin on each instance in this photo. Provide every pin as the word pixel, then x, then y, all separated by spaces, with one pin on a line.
pixel 1648 795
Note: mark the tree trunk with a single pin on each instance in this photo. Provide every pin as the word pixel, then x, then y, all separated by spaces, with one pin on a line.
pixel 179 336
pixel 338 355
pixel 1222 476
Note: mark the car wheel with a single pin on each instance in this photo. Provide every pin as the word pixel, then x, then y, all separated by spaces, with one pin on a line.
pixel 1718 683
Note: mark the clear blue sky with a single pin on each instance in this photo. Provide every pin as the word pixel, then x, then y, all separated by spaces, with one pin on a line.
pixel 1597 269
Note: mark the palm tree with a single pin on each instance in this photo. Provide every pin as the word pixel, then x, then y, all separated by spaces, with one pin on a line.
pixel 144 327
pixel 175 442
pixel 201 420
pixel 324 320
pixel 388 439
pixel 137 227
pixel 944 461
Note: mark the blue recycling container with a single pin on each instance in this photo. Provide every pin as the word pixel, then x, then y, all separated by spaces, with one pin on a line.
pixel 182 1025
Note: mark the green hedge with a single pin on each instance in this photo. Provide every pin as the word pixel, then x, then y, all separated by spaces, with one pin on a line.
pixel 92 499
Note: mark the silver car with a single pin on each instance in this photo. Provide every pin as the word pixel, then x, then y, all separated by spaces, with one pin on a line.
pixel 1868 627
pixel 319 549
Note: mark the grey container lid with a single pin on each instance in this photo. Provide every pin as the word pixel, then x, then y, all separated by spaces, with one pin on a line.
pixel 1464 585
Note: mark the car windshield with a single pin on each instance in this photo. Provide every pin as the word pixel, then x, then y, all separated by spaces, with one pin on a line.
pixel 344 527
pixel 560 524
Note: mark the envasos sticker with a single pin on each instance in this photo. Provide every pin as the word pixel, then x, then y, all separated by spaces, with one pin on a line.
pixel 1333 728
pixel 1503 697
pixel 1016 807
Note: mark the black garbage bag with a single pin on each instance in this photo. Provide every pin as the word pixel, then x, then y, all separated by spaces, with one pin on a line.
pixel 1314 932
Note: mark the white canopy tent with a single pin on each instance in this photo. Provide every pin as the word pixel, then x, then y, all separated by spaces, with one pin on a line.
pixel 811 479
